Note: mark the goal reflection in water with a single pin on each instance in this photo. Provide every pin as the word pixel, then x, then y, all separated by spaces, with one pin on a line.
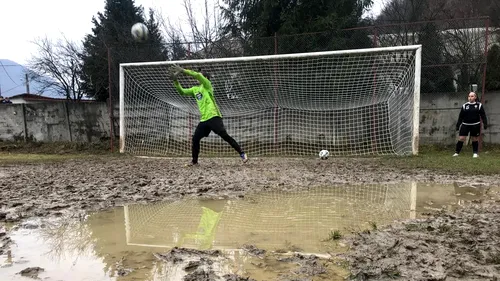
pixel 274 220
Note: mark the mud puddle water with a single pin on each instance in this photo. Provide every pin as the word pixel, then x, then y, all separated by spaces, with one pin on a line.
pixel 266 236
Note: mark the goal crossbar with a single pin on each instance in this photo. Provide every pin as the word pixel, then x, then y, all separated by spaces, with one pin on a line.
pixel 278 56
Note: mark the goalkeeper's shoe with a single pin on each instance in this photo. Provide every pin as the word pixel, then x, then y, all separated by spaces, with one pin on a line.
pixel 244 157
pixel 192 164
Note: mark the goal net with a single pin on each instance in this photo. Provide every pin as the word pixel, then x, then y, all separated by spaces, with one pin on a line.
pixel 352 102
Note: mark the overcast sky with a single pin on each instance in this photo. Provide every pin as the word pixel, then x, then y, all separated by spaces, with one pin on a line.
pixel 25 20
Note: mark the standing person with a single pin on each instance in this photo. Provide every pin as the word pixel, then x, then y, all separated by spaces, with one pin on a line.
pixel 211 117
pixel 469 121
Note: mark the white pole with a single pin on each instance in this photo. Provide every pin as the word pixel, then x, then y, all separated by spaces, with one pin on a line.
pixel 122 110
pixel 413 200
pixel 416 100
pixel 127 224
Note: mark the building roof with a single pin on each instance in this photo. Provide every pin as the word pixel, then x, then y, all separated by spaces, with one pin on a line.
pixel 33 97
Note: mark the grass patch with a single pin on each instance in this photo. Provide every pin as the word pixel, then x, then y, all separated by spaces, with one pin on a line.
pixel 433 158
pixel 23 158
pixel 40 152
pixel 333 236
pixel 102 147
pixel 440 159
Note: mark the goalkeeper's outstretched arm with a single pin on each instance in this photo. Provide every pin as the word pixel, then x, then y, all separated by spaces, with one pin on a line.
pixel 178 87
pixel 200 77
pixel 197 75
pixel 182 91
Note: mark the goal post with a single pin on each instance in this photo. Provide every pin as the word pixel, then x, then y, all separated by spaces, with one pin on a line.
pixel 350 102
pixel 416 100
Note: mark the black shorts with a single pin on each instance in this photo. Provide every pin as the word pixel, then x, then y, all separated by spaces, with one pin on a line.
pixel 474 130
pixel 214 124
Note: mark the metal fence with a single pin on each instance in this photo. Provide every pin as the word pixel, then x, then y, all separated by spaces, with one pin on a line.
pixel 454 50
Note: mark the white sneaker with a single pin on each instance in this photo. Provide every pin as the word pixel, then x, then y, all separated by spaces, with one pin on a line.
pixel 244 157
pixel 455 155
pixel 475 155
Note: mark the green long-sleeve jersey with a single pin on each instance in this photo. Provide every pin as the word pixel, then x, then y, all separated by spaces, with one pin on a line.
pixel 204 95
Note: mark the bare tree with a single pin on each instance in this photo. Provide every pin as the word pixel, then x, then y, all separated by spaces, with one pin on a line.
pixel 465 40
pixel 395 12
pixel 203 37
pixel 458 42
pixel 465 48
pixel 472 8
pixel 57 66
pixel 177 41
pixel 207 33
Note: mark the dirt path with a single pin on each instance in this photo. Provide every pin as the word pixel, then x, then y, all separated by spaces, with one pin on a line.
pixel 74 186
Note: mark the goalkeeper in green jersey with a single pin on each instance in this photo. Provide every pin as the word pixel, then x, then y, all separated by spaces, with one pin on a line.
pixel 211 117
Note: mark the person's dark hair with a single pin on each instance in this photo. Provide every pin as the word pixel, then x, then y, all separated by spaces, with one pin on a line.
pixel 204 73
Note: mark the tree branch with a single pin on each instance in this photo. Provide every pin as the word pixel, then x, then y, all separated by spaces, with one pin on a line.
pixel 57 66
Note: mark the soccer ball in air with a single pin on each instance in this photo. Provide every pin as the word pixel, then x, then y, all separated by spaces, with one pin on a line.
pixel 323 154
pixel 139 32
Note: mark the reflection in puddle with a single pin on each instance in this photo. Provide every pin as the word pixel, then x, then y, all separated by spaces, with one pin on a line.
pixel 119 244
pixel 272 220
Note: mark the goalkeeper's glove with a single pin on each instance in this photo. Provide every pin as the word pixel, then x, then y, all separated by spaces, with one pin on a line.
pixel 176 70
pixel 173 76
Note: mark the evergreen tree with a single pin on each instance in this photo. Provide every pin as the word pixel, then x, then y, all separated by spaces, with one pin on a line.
pixel 250 19
pixel 155 46
pixel 178 50
pixel 111 39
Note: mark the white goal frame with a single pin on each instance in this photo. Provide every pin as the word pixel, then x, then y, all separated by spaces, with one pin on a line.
pixel 416 88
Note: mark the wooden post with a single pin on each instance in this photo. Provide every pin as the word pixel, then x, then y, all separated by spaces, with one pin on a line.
pixel 110 102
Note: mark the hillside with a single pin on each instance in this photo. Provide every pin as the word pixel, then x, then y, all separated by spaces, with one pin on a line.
pixel 12 80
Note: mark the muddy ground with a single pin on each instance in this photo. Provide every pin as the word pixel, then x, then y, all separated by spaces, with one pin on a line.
pixel 102 182
pixel 461 246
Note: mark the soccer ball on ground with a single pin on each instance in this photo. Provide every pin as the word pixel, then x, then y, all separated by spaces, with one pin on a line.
pixel 323 154
pixel 139 32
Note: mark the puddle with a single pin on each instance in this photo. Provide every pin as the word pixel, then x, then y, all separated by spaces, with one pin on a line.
pixel 121 244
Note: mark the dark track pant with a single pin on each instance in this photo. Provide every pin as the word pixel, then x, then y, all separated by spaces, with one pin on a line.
pixel 203 129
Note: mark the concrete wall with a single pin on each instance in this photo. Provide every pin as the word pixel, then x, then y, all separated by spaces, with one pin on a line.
pixel 88 122
pixel 54 121
pixel 11 122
